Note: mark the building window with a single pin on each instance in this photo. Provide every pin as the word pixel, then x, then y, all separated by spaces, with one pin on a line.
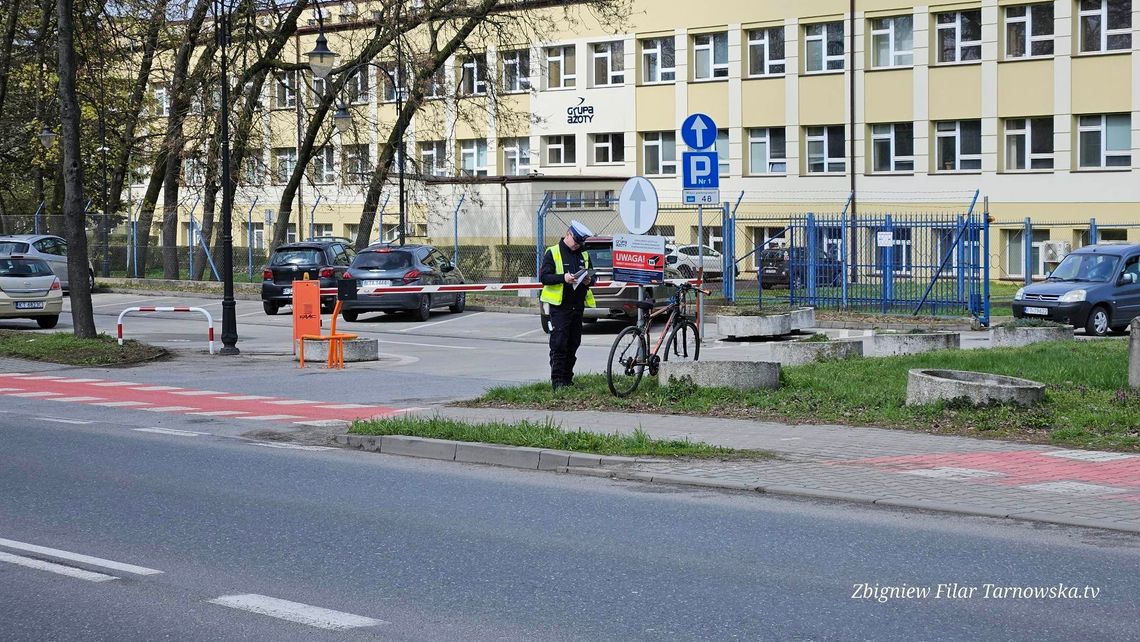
pixel 659 60
pixel 825 147
pixel 284 162
pixel 357 164
pixel 892 147
pixel 193 171
pixel 900 252
pixel 722 152
pixel 959 145
pixel 161 99
pixel 1029 30
pixel 766 52
pixel 516 70
pixel 474 81
pixel 393 82
pixel 1028 143
pixel 560 72
pixel 473 157
pixel 317 85
pixel 582 199
pixel 318 230
pixel 823 47
pixel 1106 25
pixel 516 156
pixel 1015 252
pixel 767 151
pixel 608 148
pixel 285 94
pixel 659 150
pixel 253 168
pixel 433 158
pixel 436 84
pixel 959 36
pixel 892 42
pixel 1105 141
pixel 560 150
pixel 323 167
pixel 710 56
pixel 608 63
pixel 356 88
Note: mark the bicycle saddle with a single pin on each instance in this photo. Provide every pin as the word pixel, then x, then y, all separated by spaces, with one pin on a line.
pixel 648 304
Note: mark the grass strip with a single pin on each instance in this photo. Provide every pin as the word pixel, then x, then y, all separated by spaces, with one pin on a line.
pixel 1088 403
pixel 66 348
pixel 548 435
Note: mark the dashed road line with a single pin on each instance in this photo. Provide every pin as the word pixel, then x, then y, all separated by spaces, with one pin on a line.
pixel 528 332
pixel 76 399
pixel 116 384
pixel 60 420
pixel 271 444
pixel 171 431
pixel 41 377
pixel 1089 455
pixel 121 404
pixel 60 569
pixel 271 417
pixel 156 388
pixel 428 325
pixel 198 393
pixel 169 409
pixel 218 413
pixel 5 390
pixel 38 393
pixel 306 614
pixel 344 406
pixel 427 345
pixel 245 397
pixel 293 402
pixel 78 557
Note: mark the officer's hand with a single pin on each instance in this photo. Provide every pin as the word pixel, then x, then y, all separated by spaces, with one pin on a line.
pixel 568 278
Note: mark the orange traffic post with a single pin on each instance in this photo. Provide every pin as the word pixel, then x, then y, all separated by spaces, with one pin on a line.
pixel 306 309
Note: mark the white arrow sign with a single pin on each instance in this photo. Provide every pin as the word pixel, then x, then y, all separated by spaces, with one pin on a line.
pixel 638 205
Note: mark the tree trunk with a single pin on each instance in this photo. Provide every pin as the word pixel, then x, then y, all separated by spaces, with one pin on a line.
pixel 170 214
pixel 75 228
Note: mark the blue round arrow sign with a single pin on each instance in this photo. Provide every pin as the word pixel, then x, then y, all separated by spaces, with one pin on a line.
pixel 699 132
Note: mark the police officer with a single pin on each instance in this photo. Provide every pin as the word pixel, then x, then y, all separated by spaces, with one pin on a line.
pixel 567 303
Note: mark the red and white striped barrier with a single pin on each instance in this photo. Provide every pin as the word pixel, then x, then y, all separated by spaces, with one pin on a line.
pixel 209 319
pixel 483 287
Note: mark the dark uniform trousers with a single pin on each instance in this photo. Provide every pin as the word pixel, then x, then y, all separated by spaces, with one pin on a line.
pixel 565 337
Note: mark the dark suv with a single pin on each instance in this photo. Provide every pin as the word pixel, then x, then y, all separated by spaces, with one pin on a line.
pixel 385 265
pixel 1096 288
pixel 324 260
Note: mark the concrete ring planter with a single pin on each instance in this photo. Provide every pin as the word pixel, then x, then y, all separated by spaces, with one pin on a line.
pixel 791 353
pixel 926 386
pixel 772 325
pixel 890 345
pixel 1012 337
pixel 803 318
pixel 740 375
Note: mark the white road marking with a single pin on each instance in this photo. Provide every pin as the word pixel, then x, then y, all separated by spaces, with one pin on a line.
pixel 168 409
pixel 427 345
pixel 345 406
pixel 156 388
pixel 83 380
pixel 78 557
pixel 790 438
pixel 1073 488
pixel 306 614
pixel 268 444
pixel 271 417
pixel 950 472
pixel 10 390
pixel 78 422
pixel 115 384
pixel 40 565
pixel 519 336
pixel 121 404
pixel 127 304
pixel 325 423
pixel 246 398
pixel 171 431
pixel 197 393
pixel 218 413
pixel 35 394
pixel 394 412
pixel 13 374
pixel 1089 455
pixel 42 378
pixel 77 399
pixel 428 325
pixel 293 402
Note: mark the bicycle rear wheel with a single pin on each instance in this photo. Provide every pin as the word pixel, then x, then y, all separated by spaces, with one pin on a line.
pixel 627 362
pixel 683 344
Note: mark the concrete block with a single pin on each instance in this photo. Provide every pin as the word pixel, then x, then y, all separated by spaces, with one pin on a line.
pixel 355 350
pixel 511 456
pixel 802 318
pixel 1014 337
pixel 741 375
pixel 773 325
pixel 926 386
pixel 889 345
pixel 553 459
pixel 341 439
pixel 371 443
pixel 790 353
pixel 418 447
pixel 583 460
pixel 1134 353
pixel 355 441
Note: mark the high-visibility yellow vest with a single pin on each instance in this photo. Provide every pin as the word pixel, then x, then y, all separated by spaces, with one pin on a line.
pixel 552 294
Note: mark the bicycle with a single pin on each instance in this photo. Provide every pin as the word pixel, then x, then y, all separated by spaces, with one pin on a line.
pixel 630 355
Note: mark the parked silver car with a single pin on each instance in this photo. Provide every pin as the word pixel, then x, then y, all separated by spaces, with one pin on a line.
pixel 52 249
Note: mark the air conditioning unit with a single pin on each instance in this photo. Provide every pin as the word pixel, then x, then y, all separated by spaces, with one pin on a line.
pixel 1055 251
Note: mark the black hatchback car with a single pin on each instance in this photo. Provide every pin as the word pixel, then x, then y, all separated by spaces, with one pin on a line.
pixel 323 260
pixel 789 266
pixel 386 265
pixel 1096 288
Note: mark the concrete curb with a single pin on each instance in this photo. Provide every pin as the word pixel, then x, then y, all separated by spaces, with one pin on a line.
pixel 587 465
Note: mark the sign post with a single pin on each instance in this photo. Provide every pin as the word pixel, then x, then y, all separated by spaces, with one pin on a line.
pixel 642 257
pixel 700 183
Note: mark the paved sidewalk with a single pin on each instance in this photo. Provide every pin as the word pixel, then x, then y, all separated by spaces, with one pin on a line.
pixel 886 467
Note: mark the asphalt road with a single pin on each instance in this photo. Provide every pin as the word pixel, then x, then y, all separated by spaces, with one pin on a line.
pixel 441 551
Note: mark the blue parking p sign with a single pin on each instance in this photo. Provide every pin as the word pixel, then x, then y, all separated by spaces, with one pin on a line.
pixel 700 170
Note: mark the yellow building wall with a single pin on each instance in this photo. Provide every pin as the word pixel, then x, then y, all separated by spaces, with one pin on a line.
pixel 656 107
pixel 764 102
pixel 822 99
pixel 1102 84
pixel 955 92
pixel 1025 88
pixel 889 96
pixel 709 98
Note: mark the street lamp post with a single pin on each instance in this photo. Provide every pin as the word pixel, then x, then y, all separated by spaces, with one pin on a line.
pixel 47 139
pixel 229 306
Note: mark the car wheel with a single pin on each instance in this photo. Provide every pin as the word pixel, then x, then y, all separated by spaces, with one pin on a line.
pixel 1097 324
pixel 350 315
pixel 270 307
pixel 589 321
pixel 423 313
pixel 460 303
pixel 1119 330
pixel 686 272
pixel 544 320
pixel 47 323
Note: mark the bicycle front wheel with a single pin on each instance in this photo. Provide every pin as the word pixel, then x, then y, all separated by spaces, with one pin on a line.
pixel 627 362
pixel 683 344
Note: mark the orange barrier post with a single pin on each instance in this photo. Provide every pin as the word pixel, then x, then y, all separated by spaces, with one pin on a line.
pixel 306 309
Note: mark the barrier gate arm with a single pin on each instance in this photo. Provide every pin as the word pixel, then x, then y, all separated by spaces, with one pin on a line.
pixel 209 319
pixel 489 287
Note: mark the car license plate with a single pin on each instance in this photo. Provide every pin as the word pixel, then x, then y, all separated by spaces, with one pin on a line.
pixel 29 305
pixel 769 270
pixel 287 290
pixel 1038 311
pixel 382 283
